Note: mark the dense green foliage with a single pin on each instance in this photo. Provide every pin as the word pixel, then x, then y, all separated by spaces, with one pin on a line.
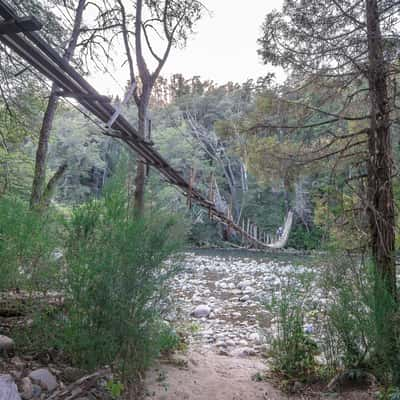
pixel 113 273
pixel 347 330
pixel 27 245
pixel 356 322
pixel 115 282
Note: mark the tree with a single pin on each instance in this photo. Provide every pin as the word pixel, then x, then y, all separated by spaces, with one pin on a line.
pixel 340 43
pixel 170 20
pixel 41 193
pixel 351 46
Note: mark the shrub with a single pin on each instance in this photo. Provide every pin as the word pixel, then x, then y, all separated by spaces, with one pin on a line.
pixel 116 282
pixel 292 350
pixel 361 320
pixel 27 241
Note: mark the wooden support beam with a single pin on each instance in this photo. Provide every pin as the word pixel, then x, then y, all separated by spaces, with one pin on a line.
pixel 191 184
pixel 19 25
pixel 118 109
pixel 211 194
pixel 81 96
pixel 148 141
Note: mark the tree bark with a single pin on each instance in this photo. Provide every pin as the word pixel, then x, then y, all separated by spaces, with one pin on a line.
pixel 39 179
pixel 380 190
pixel 140 179
pixel 380 200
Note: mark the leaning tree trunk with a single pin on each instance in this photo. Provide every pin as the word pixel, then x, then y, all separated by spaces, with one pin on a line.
pixel 39 179
pixel 380 165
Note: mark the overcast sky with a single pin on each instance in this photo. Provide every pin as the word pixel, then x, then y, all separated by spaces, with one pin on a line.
pixel 223 49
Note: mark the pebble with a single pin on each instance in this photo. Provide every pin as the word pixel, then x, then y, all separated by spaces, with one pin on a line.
pixel 243 284
pixel 248 290
pixel 255 337
pixel 244 352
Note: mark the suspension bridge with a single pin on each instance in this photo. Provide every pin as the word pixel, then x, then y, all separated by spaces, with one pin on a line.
pixel 20 35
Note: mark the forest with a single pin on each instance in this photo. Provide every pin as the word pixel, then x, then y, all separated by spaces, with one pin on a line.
pixel 183 238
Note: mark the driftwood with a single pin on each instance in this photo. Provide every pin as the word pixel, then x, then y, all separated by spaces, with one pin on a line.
pixel 80 387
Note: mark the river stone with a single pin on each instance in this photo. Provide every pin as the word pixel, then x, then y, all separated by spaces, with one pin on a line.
pixel 37 391
pixel 236 314
pixel 248 290
pixel 255 337
pixel 18 363
pixel 243 284
pixel 201 311
pixel 6 343
pixel 8 388
pixel 244 298
pixel 244 352
pixel 45 378
pixel 26 388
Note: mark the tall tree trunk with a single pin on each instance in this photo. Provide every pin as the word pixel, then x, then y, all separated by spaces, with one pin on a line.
pixel 380 165
pixel 380 197
pixel 39 179
pixel 140 179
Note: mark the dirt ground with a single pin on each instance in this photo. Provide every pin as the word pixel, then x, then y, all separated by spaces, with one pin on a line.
pixel 209 376
pixel 205 375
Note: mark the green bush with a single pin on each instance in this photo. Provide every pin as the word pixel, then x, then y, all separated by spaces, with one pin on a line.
pixel 292 350
pixel 362 320
pixel 116 283
pixel 27 241
pixel 301 238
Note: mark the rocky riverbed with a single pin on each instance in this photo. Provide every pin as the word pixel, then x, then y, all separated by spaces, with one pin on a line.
pixel 224 297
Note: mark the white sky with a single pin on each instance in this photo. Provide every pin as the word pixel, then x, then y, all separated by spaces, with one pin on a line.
pixel 223 49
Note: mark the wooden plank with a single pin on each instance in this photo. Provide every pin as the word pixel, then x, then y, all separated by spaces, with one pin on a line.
pixel 19 25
